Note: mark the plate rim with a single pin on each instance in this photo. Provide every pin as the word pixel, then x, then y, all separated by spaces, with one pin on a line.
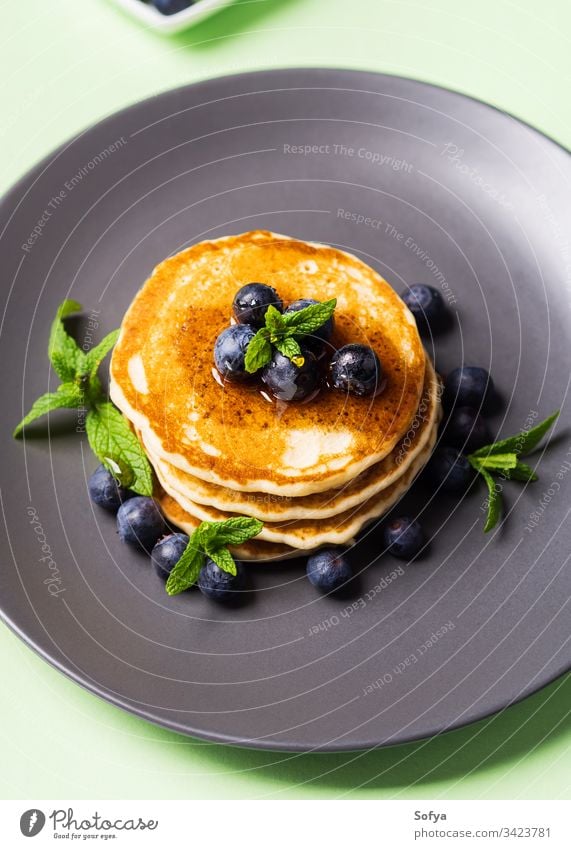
pixel 29 179
pixel 244 75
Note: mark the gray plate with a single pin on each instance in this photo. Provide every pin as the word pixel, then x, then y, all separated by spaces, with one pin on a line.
pixel 425 185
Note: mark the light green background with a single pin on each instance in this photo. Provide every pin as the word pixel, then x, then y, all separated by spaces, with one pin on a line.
pixel 66 63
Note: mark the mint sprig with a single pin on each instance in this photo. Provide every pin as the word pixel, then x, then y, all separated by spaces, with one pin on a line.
pixel 502 458
pixel 117 447
pixel 68 395
pixel 284 332
pixel 108 432
pixel 210 539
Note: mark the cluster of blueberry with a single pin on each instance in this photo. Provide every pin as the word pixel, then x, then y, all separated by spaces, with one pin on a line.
pixel 141 524
pixel 171 7
pixel 353 368
pixel 468 391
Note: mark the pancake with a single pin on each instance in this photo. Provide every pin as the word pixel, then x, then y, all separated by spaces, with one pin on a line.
pixel 308 534
pixel 276 508
pixel 162 369
pixel 253 549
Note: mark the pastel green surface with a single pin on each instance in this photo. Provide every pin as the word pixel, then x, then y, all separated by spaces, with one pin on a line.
pixel 66 64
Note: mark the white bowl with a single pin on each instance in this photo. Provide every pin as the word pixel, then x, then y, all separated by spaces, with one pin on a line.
pixel 149 16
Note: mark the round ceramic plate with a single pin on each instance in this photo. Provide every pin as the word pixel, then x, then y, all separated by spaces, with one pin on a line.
pixel 423 184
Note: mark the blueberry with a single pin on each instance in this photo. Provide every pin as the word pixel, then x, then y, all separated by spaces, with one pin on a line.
pixel 105 491
pixel 167 552
pixel 214 583
pixel 469 386
pixel 288 382
pixel 403 537
pixel 466 429
pixel 317 340
pixel 427 306
pixel 230 351
pixel 251 303
pixel 171 7
pixel 328 570
pixel 449 469
pixel 356 369
pixel 140 522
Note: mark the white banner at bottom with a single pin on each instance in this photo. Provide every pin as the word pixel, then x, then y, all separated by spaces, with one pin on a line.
pixel 335 824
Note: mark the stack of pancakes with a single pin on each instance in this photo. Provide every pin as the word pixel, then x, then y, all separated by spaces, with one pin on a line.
pixel 315 473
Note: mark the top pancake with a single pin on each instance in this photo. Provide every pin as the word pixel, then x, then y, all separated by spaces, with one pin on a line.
pixel 162 373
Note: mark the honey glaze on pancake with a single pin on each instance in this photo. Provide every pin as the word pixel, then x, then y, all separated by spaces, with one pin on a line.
pixel 229 434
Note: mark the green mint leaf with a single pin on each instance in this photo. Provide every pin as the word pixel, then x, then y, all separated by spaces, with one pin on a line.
pixel 289 347
pixel 309 319
pixel 67 395
pixel 65 355
pixel 521 472
pixel 238 530
pixel 274 322
pixel 494 502
pixel 498 462
pixel 187 569
pixel 117 447
pixel 234 531
pixel 258 352
pixel 522 443
pixel 211 538
pixel 96 355
pixel 223 559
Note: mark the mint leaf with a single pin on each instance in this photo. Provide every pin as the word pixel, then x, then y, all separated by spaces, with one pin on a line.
pixel 274 322
pixel 280 330
pixel 234 531
pixel 187 569
pixel 258 352
pixel 109 434
pixel 494 502
pixel 115 444
pixel 65 355
pixel 211 538
pixel 96 355
pixel 503 457
pixel 289 347
pixel 310 318
pixel 499 462
pixel 67 395
pixel 521 472
pixel 522 443
pixel 223 559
